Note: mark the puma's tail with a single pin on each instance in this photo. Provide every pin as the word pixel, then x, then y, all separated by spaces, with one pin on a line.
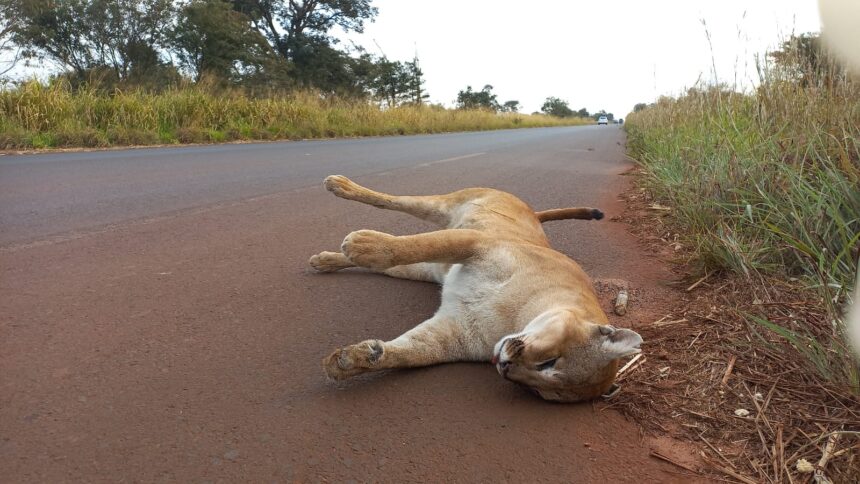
pixel 582 213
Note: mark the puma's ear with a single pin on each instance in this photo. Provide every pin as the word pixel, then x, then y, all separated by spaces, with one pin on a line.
pixel 618 343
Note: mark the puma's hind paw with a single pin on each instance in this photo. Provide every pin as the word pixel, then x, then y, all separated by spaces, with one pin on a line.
pixel 329 262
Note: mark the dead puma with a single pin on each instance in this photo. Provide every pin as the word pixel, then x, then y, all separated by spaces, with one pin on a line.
pixel 507 297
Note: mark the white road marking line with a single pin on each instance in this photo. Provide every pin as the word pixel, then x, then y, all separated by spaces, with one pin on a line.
pixel 456 158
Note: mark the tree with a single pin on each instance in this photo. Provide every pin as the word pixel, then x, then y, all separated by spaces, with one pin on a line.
pixel 288 24
pixel 554 106
pixel 805 59
pixel 48 30
pixel 415 76
pixel 299 32
pixel 213 39
pixel 391 82
pixel 511 107
pixel 317 63
pixel 9 52
pixel 583 113
pixel 639 107
pixel 129 34
pixel 396 83
pixel 125 36
pixel 483 99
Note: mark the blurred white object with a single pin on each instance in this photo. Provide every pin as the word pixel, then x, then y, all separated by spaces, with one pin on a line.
pixel 840 20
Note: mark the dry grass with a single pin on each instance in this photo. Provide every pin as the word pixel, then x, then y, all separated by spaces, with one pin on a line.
pixel 707 357
pixel 766 185
pixel 762 193
pixel 35 115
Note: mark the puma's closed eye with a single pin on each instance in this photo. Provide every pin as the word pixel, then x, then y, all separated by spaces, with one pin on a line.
pixel 547 364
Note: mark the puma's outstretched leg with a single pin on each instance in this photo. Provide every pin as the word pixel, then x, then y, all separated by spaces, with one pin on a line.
pixel 434 208
pixel 377 250
pixel 421 271
pixel 437 340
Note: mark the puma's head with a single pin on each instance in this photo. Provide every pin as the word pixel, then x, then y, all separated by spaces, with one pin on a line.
pixel 564 359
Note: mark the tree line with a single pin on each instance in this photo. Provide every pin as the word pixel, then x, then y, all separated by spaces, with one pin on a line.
pixel 280 44
pixel 557 107
pixel 260 45
pixel 552 106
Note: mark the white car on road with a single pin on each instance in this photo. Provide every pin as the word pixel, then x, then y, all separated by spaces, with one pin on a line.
pixel 603 120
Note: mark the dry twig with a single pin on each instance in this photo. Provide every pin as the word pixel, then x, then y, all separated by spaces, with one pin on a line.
pixel 703 279
pixel 673 462
pixel 729 368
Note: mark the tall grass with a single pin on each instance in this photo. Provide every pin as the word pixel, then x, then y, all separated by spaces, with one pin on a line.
pixel 767 184
pixel 37 115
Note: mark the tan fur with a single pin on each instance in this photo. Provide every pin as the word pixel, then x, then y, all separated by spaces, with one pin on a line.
pixel 507 296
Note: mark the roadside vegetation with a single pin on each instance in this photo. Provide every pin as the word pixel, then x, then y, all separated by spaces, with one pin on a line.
pixel 35 115
pixel 131 72
pixel 763 190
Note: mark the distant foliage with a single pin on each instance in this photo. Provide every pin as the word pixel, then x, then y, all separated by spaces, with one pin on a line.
pixel 123 36
pixel 415 80
pixel 10 53
pixel 300 32
pixel 510 107
pixel 805 60
pixel 554 106
pixel 271 45
pixel 397 83
pixel 212 39
pixel 483 99
pixel 260 48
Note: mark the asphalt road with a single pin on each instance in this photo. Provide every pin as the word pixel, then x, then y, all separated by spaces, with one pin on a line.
pixel 159 322
pixel 54 194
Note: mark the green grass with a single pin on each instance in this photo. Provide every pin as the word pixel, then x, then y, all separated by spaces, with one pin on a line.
pixel 37 115
pixel 766 184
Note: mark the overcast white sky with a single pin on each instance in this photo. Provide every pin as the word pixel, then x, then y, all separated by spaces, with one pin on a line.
pixel 593 54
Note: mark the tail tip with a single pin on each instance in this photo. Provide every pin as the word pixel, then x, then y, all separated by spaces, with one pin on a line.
pixel 596 214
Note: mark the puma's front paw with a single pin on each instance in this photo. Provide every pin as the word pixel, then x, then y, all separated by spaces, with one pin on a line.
pixel 368 248
pixel 329 262
pixel 353 360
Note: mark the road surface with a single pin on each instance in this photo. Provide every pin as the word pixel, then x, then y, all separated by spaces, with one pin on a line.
pixel 159 322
